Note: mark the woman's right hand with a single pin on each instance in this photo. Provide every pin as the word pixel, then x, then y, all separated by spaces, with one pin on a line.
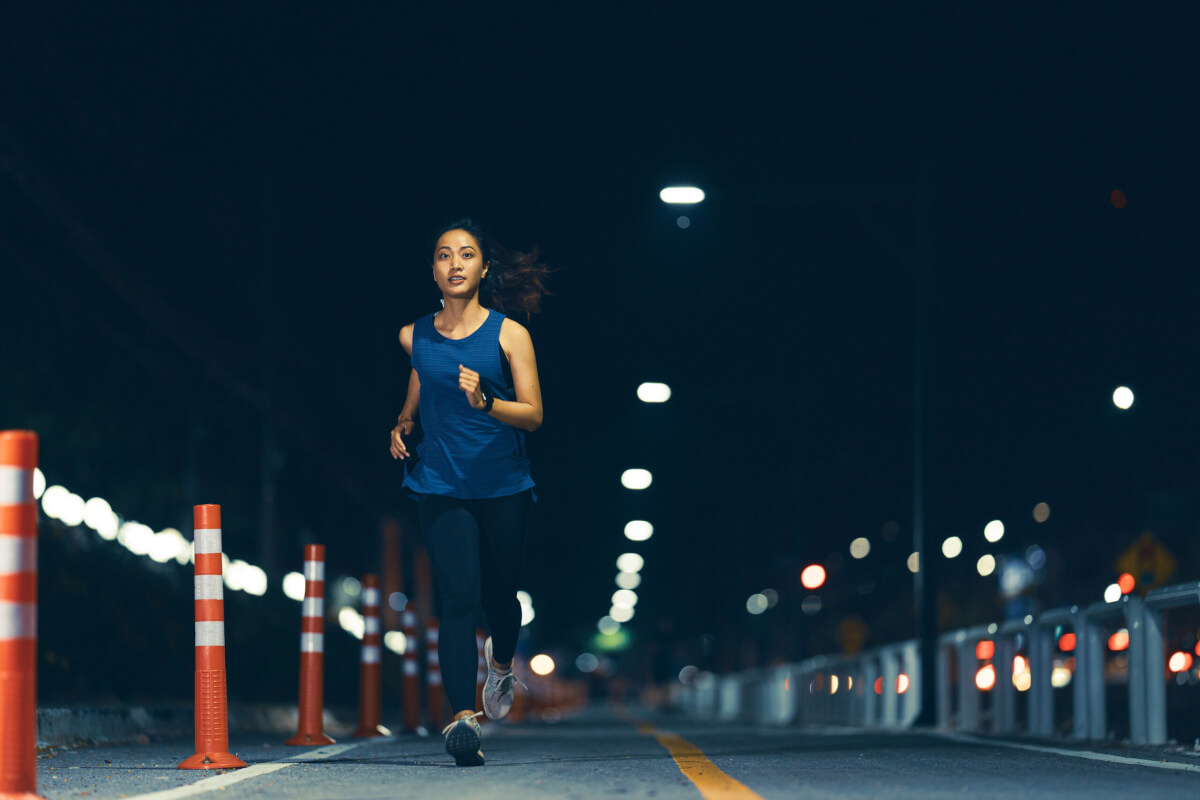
pixel 401 430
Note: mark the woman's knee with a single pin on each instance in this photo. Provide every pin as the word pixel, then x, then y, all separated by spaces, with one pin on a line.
pixel 459 602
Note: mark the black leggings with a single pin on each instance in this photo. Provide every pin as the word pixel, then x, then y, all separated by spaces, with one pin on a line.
pixel 475 548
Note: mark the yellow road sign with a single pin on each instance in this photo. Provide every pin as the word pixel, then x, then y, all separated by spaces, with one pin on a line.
pixel 1148 562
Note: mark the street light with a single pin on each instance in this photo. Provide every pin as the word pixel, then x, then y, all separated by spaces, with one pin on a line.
pixel 681 195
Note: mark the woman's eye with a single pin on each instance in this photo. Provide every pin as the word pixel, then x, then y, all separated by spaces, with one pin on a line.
pixel 467 255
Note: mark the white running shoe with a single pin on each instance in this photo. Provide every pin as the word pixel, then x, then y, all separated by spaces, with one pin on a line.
pixel 462 741
pixel 498 691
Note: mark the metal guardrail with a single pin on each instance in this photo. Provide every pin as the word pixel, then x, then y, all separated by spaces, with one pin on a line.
pixel 867 689
pixel 878 687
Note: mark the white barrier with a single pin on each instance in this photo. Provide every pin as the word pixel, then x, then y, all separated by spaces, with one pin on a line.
pixel 881 687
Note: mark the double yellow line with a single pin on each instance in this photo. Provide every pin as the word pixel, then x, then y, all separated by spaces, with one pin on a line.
pixel 707 777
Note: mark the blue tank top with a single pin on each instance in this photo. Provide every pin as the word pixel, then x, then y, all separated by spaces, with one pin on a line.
pixel 465 453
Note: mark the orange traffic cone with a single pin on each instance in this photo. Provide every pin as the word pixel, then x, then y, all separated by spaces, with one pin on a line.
pixel 312 651
pixel 412 676
pixel 18 615
pixel 435 692
pixel 370 677
pixel 212 713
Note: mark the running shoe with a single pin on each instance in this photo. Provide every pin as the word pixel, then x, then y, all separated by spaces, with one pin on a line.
pixel 462 741
pixel 498 691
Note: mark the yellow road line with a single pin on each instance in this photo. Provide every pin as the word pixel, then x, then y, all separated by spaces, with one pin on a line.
pixel 707 776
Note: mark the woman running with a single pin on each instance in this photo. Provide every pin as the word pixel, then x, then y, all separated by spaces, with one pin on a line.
pixel 474 384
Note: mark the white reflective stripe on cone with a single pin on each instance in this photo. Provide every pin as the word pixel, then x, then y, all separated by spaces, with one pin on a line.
pixel 433 658
pixel 18 554
pixel 370 597
pixel 16 485
pixel 410 667
pixel 408 619
pixel 312 643
pixel 18 620
pixel 370 625
pixel 370 654
pixel 208 540
pixel 313 607
pixel 435 678
pixel 314 570
pixel 208 587
pixel 411 644
pixel 210 634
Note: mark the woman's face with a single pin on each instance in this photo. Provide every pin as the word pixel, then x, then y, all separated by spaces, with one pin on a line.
pixel 458 266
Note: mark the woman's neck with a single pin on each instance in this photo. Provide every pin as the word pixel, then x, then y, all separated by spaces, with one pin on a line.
pixel 460 312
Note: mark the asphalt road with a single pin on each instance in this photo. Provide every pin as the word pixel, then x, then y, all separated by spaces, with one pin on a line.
pixel 601 754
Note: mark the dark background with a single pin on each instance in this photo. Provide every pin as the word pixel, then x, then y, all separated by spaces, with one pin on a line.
pixel 214 220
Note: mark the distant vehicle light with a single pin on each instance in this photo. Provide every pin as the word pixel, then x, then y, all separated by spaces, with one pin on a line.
pixel 1119 641
pixel 1126 583
pixel 985 678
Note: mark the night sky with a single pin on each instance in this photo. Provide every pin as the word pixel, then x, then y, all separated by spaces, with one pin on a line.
pixel 212 215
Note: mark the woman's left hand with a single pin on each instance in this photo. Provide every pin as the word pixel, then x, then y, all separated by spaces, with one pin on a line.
pixel 468 381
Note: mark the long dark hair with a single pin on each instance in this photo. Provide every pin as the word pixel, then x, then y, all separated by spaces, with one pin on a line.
pixel 513 284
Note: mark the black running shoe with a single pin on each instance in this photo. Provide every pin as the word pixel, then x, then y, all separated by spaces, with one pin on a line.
pixel 462 741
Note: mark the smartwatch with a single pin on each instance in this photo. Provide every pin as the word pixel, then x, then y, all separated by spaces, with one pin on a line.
pixel 489 400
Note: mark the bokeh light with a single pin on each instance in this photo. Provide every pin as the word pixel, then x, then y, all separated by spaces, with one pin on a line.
pixel 630 562
pixel 756 603
pixel 993 531
pixel 629 580
pixel 1122 397
pixel 1126 583
pixel 952 547
pixel 1041 512
pixel 685 195
pixel 986 565
pixel 1179 661
pixel 860 547
pixel 541 664
pixel 654 392
pixel 636 478
pixel 638 530
pixel 812 576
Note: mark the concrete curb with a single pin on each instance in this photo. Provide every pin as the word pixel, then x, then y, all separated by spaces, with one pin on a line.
pixel 71 727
